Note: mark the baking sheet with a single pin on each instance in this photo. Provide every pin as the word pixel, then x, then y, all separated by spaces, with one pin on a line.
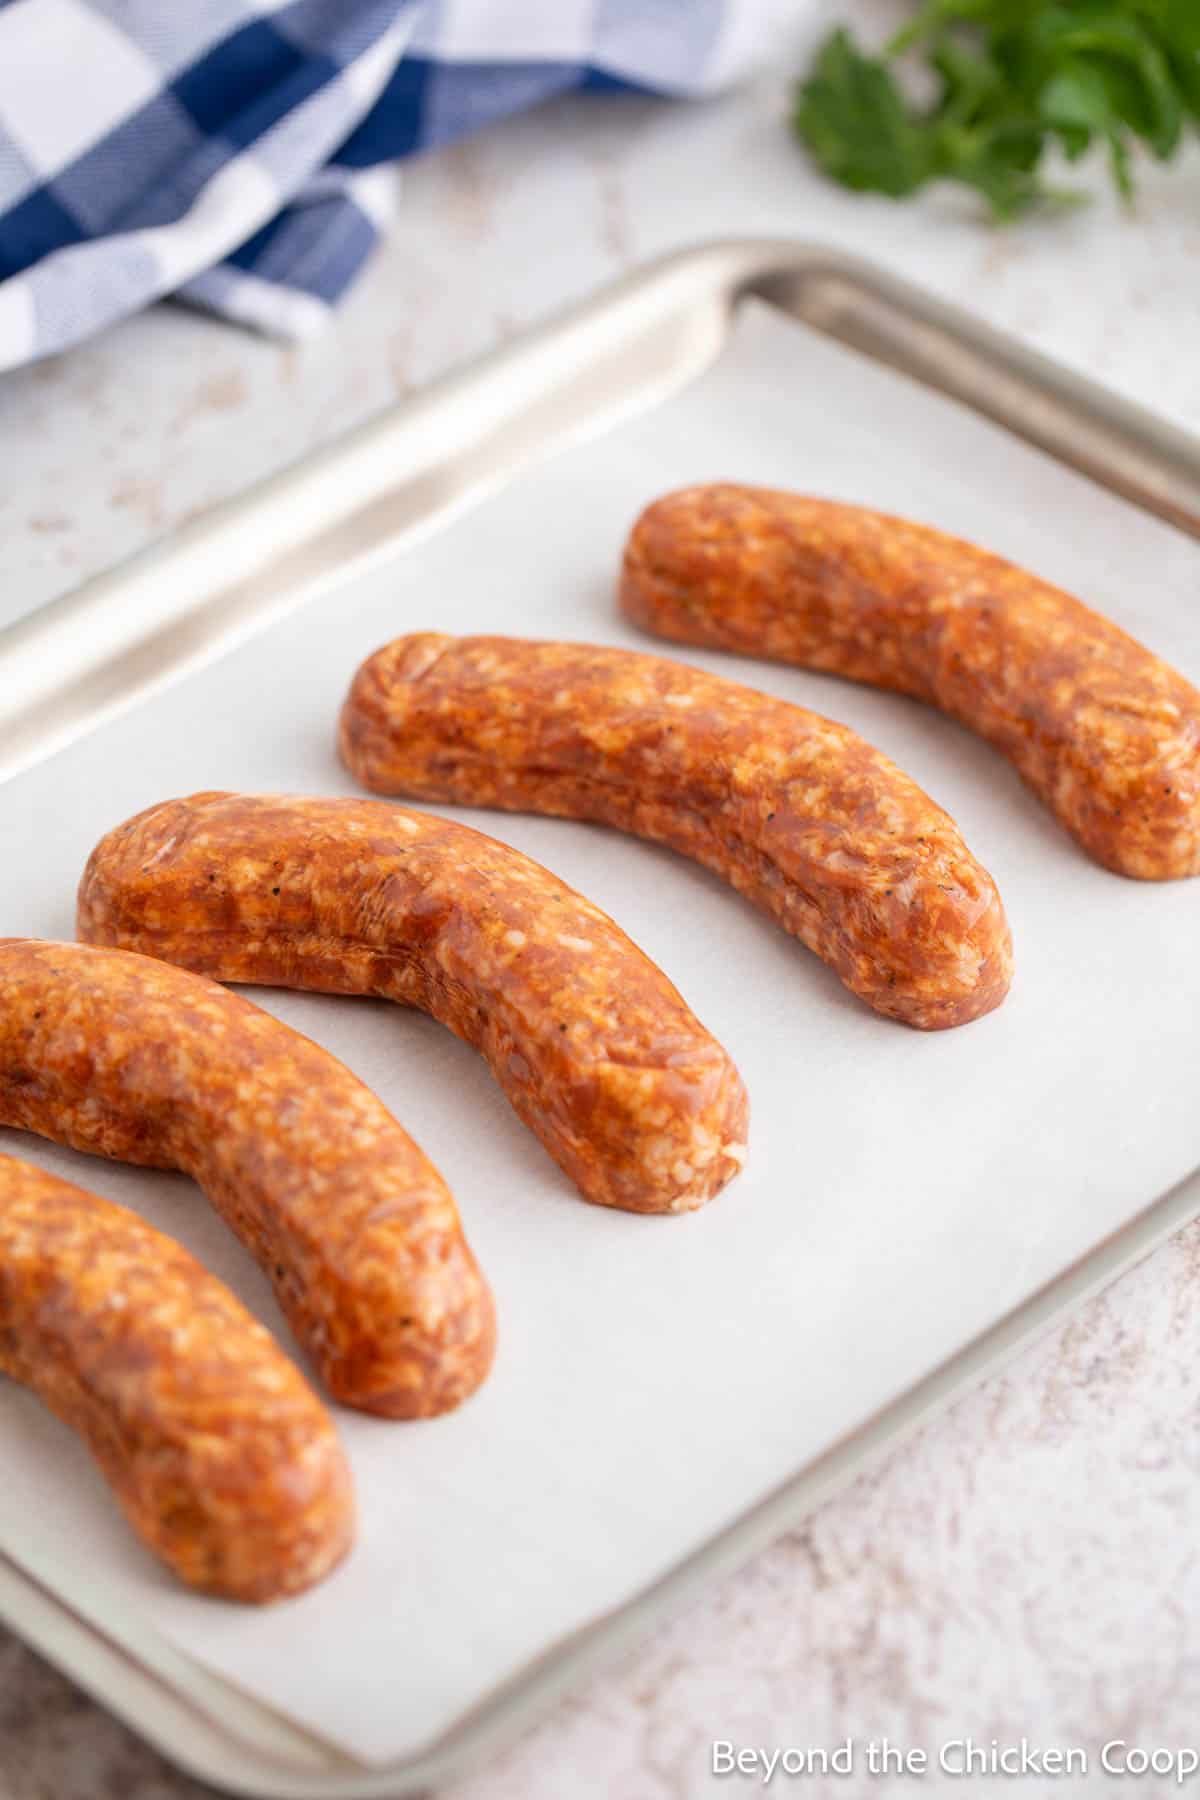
pixel 656 1377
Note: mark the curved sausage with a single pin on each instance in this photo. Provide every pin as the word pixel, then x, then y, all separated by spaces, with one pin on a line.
pixel 129 1058
pixel 799 814
pixel 225 1462
pixel 593 1046
pixel 1104 732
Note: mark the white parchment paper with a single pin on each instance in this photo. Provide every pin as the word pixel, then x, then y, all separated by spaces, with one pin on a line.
pixel 655 1377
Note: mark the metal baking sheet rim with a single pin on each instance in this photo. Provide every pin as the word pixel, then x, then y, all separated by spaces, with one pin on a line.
pixel 178 605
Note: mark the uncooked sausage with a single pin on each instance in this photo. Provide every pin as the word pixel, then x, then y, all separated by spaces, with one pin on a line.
pixel 801 815
pixel 593 1046
pixel 129 1058
pixel 225 1462
pixel 1106 733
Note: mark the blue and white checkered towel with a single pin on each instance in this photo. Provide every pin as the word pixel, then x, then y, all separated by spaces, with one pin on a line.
pixel 229 151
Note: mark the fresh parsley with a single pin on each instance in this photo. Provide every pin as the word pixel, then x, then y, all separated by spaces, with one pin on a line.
pixel 1013 79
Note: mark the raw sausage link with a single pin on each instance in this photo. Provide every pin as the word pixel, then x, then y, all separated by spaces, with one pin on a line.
pixel 593 1046
pixel 799 814
pixel 129 1058
pixel 1103 731
pixel 224 1460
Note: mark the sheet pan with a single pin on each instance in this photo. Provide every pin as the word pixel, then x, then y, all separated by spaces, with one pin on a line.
pixel 666 1390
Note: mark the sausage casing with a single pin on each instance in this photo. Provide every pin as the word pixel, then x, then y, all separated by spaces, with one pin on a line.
pixel 595 1049
pixel 222 1457
pixel 1103 731
pixel 129 1058
pixel 801 815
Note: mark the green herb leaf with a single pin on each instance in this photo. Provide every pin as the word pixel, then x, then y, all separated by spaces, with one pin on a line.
pixel 1014 78
pixel 857 125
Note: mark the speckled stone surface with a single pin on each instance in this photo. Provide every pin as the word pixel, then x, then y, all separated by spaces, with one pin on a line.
pixel 1030 1564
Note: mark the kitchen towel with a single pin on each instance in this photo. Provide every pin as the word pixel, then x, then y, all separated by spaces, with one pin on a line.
pixel 232 152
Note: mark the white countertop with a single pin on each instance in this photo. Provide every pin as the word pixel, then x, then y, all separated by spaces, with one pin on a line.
pixel 1026 1567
